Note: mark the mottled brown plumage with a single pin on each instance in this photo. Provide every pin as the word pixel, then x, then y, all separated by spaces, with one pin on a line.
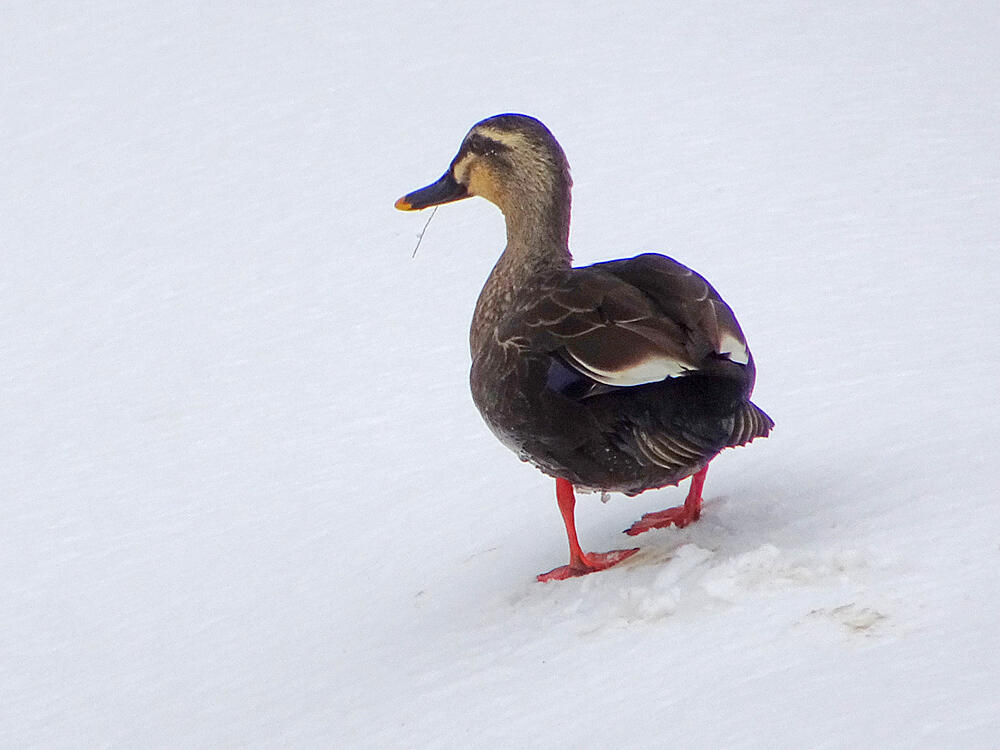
pixel 620 376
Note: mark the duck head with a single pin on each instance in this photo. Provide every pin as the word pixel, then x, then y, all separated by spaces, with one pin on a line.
pixel 510 160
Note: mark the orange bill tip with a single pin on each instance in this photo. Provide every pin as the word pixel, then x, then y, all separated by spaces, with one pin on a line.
pixel 403 205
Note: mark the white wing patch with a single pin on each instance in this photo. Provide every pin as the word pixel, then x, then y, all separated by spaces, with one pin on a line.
pixel 652 370
pixel 736 350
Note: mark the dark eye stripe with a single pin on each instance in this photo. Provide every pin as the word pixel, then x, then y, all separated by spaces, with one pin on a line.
pixel 483 146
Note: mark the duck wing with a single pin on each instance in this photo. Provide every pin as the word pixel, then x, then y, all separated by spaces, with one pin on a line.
pixel 630 322
pixel 637 359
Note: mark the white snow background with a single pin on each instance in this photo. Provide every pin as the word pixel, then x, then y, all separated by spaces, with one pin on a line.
pixel 246 500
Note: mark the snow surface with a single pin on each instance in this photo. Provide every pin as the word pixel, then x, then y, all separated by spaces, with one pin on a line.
pixel 246 498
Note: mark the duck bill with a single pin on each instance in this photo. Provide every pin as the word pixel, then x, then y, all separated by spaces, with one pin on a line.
pixel 445 190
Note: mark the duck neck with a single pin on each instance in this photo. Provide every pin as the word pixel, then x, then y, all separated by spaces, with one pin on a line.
pixel 537 242
pixel 539 233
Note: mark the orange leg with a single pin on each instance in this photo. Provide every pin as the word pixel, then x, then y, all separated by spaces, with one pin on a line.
pixel 580 562
pixel 680 516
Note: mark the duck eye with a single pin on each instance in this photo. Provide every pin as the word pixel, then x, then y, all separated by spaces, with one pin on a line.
pixel 483 146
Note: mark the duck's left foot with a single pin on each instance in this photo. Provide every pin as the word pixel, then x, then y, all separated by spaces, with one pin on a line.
pixel 680 516
pixel 591 563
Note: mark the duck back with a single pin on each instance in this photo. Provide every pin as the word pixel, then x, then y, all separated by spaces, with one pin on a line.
pixel 620 376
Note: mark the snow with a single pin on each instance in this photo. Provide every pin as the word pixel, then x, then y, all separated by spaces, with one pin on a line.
pixel 247 501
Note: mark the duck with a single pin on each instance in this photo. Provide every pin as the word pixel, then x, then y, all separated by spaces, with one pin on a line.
pixel 622 376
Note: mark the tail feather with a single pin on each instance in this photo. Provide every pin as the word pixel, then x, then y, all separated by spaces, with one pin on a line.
pixel 751 422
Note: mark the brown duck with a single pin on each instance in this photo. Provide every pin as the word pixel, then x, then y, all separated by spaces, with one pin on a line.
pixel 617 377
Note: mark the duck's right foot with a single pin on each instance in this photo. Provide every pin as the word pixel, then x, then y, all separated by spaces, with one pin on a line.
pixel 680 516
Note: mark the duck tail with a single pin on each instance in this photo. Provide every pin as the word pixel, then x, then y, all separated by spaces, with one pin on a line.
pixel 751 422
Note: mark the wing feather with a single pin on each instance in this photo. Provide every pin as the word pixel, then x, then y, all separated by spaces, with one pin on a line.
pixel 629 322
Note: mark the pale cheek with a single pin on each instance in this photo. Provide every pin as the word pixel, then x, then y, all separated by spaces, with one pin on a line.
pixel 479 183
pixel 461 172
